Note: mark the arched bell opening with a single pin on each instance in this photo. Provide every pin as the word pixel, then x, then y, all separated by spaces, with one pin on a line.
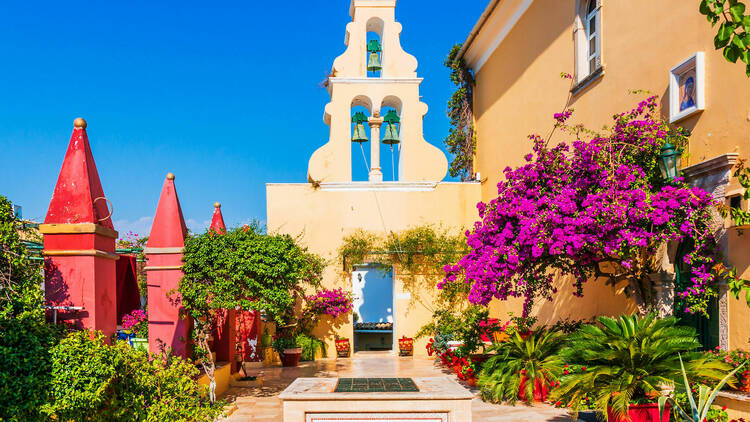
pixel 374 48
pixel 390 132
pixel 360 138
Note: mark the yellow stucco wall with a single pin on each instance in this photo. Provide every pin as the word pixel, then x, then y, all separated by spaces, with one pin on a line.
pixel 324 216
pixel 519 89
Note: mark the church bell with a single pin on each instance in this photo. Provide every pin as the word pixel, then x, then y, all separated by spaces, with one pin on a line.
pixel 373 63
pixel 359 134
pixel 391 130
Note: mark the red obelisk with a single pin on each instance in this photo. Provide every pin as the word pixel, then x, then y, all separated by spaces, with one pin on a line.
pixel 225 344
pixel 79 243
pixel 167 325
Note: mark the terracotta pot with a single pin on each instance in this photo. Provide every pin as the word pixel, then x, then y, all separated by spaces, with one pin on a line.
pixel 642 413
pixel 342 348
pixel 540 390
pixel 745 382
pixel 406 346
pixel 291 357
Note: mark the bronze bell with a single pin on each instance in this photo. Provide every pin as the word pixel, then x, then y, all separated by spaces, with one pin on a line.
pixel 359 134
pixel 391 130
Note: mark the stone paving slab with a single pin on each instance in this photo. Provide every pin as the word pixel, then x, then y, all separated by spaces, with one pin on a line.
pixel 260 402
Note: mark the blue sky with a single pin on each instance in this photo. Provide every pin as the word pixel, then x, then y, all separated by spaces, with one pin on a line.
pixel 225 94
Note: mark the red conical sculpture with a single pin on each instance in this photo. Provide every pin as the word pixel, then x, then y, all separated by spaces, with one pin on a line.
pixel 217 221
pixel 167 327
pixel 79 243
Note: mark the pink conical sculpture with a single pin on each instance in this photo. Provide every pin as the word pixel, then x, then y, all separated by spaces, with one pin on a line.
pixel 79 243
pixel 167 326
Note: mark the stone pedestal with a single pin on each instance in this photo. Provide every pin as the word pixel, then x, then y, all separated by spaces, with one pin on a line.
pixel 439 399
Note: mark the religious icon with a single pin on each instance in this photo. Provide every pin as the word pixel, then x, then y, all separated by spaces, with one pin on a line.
pixel 686 88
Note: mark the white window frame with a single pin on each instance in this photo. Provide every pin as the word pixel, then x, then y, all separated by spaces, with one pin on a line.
pixel 583 38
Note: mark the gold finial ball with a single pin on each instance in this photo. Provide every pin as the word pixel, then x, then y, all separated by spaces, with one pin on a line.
pixel 217 204
pixel 80 122
pixel 170 176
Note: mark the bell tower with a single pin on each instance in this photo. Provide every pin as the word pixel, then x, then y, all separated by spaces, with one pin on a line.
pixel 375 74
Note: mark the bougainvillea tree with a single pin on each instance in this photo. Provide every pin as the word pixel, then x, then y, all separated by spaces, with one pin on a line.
pixel 576 208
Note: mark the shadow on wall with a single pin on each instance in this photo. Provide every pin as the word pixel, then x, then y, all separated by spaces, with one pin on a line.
pixel 599 298
pixel 527 49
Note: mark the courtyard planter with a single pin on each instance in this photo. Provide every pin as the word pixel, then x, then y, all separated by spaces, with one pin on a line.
pixel 343 349
pixel 291 357
pixel 139 343
pixel 642 413
pixel 540 390
pixel 405 346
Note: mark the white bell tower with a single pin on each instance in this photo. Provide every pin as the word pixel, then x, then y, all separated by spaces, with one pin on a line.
pixel 395 86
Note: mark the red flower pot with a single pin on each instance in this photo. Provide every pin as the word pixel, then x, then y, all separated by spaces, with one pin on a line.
pixel 540 390
pixel 642 413
pixel 342 348
pixel 291 357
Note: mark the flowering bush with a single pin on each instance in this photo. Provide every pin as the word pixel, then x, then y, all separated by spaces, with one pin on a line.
pixel 136 322
pixel 575 206
pixel 736 358
pixel 330 302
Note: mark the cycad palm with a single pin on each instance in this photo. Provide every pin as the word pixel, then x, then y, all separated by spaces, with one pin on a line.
pixel 534 356
pixel 629 358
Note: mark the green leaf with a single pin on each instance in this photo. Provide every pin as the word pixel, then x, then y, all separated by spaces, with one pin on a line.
pixel 747 72
pixel 731 54
pixel 738 42
pixel 704 8
pixel 722 37
pixel 747 292
pixel 745 56
pixel 738 12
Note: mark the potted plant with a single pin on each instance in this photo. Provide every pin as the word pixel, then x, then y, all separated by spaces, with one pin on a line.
pixel 524 367
pixel 288 349
pixel 136 325
pixel 266 339
pixel 621 362
pixel 343 349
pixel 700 409
pixel 405 346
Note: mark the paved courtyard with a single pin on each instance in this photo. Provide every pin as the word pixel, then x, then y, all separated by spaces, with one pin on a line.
pixel 258 401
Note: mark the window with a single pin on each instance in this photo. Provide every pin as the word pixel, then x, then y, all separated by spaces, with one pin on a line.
pixel 592 33
pixel 588 38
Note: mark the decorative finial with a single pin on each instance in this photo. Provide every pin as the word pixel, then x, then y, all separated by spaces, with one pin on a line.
pixel 80 122
pixel 217 204
pixel 170 176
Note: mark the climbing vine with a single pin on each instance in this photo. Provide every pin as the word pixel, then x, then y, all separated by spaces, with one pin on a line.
pixel 418 251
pixel 733 35
pixel 461 141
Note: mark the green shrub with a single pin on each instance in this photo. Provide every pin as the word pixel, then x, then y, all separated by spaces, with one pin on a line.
pixel 629 360
pixel 94 381
pixel 25 371
pixel 533 356
pixel 310 345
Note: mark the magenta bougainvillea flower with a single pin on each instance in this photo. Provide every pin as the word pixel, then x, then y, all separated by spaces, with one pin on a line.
pixel 330 302
pixel 575 205
pixel 133 319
